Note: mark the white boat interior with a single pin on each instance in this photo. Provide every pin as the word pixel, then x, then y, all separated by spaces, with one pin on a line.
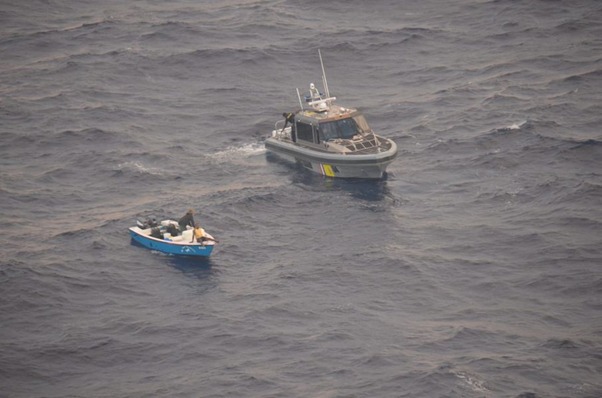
pixel 169 230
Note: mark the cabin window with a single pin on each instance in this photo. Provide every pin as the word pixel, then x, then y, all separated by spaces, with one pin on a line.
pixel 321 135
pixel 305 132
pixel 362 124
pixel 343 128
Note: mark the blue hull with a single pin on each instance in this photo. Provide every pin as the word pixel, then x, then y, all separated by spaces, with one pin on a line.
pixel 173 248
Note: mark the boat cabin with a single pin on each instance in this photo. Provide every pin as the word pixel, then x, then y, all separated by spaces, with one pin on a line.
pixel 316 128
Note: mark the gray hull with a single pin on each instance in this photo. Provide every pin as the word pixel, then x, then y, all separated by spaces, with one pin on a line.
pixel 336 165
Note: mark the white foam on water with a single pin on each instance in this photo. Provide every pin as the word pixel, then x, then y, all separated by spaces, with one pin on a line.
pixel 516 126
pixel 475 384
pixel 138 167
pixel 237 152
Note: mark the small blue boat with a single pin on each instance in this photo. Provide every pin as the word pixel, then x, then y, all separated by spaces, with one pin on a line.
pixel 165 237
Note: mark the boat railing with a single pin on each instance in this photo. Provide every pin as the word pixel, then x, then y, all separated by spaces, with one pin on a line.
pixel 366 144
pixel 279 125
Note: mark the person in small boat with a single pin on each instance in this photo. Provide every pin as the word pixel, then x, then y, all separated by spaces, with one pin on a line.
pixel 156 233
pixel 173 230
pixel 186 220
pixel 199 234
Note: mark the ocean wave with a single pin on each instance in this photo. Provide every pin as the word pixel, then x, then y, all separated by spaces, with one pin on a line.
pixel 504 100
pixel 517 126
pixel 80 233
pixel 213 55
pixel 85 26
pixel 516 145
pixel 561 344
pixel 251 199
pixel 37 37
pixel 472 381
pixel 508 196
pixel 138 168
pixel 88 134
pixel 15 139
pixel 589 143
pixel 235 153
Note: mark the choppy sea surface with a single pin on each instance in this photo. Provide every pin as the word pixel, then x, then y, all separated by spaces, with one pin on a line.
pixel 472 270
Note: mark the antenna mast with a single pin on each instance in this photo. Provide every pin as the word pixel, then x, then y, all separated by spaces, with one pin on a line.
pixel 324 82
pixel 299 96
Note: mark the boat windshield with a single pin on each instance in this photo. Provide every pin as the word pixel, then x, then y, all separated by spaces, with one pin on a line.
pixel 344 128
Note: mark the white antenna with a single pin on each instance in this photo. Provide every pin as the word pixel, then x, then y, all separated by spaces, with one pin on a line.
pixel 324 82
pixel 299 96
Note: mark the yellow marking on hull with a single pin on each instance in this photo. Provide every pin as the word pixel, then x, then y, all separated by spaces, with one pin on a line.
pixel 328 170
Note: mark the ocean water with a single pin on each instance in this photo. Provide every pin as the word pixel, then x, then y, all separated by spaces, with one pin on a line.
pixel 472 270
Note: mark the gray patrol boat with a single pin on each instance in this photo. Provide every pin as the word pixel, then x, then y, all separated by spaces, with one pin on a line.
pixel 330 139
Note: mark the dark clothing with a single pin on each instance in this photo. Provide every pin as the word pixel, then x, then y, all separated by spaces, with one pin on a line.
pixel 187 219
pixel 171 229
pixel 290 118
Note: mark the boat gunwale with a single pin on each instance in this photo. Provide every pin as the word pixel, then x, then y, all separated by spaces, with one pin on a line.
pixel 340 158
pixel 138 231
